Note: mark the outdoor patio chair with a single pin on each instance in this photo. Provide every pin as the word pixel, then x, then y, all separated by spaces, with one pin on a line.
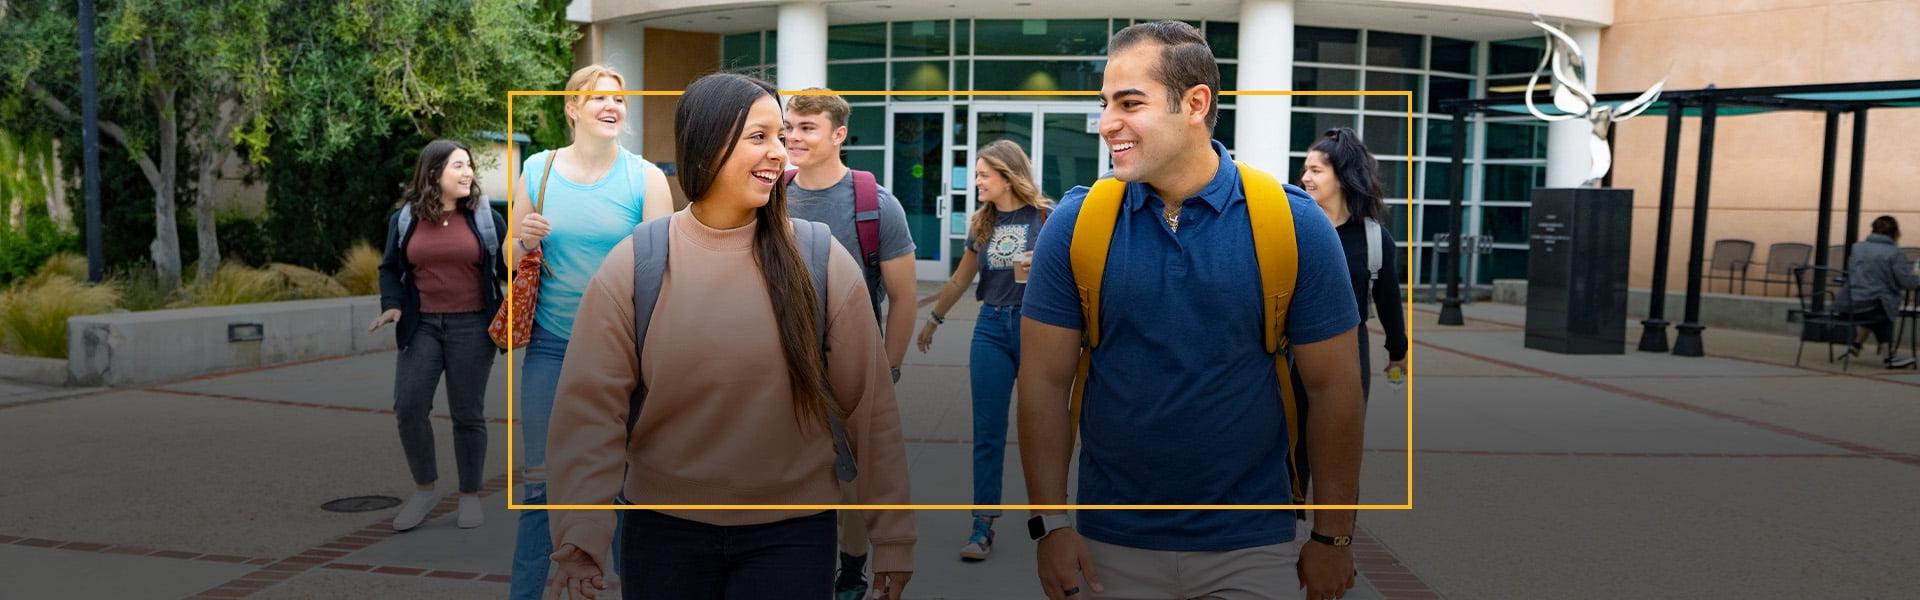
pixel 1826 324
pixel 1732 256
pixel 1781 259
pixel 1912 252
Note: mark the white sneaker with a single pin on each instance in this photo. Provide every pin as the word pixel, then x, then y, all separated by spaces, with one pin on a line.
pixel 471 515
pixel 415 510
pixel 1899 362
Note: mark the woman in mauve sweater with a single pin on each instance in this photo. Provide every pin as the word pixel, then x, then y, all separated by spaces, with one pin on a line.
pixel 738 390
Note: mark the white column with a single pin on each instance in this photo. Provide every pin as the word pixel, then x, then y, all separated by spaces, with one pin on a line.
pixel 1567 156
pixel 1266 63
pixel 624 47
pixel 801 59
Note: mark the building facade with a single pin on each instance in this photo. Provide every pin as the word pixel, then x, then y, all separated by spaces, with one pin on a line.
pixel 921 146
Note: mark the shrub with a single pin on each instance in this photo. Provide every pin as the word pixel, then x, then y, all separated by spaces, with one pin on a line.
pixel 24 250
pixel 360 270
pixel 64 264
pixel 33 315
pixel 139 288
pixel 301 283
pixel 232 284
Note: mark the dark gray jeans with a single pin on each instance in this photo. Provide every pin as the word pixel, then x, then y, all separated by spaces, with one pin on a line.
pixel 457 345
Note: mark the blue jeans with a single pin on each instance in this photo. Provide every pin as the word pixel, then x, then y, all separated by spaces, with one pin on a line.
pixel 678 559
pixel 533 542
pixel 993 362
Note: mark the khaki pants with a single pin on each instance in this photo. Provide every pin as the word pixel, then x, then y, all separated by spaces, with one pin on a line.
pixel 1260 573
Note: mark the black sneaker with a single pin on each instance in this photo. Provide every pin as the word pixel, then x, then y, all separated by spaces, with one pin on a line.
pixel 852 582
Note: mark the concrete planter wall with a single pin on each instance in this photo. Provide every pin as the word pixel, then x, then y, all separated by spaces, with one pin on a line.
pixel 161 345
pixel 1750 313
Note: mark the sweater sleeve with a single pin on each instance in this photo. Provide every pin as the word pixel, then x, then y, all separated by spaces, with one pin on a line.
pixel 587 443
pixel 392 291
pixel 857 370
pixel 1386 299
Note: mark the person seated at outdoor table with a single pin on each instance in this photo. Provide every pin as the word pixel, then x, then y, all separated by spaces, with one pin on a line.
pixel 1877 274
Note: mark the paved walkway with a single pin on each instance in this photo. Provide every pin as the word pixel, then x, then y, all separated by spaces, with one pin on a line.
pixel 1535 476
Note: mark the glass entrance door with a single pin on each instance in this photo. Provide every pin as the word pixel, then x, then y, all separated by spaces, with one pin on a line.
pixel 1061 138
pixel 915 172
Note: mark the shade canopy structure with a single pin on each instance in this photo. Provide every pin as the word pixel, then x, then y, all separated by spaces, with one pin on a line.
pixel 1707 105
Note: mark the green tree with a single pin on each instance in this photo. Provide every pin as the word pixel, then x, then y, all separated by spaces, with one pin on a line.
pixel 318 82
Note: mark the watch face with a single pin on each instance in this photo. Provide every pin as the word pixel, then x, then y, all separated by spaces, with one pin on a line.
pixel 1035 528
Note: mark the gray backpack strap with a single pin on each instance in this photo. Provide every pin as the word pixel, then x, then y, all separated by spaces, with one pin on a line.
pixel 649 268
pixel 405 225
pixel 489 236
pixel 1373 264
pixel 816 246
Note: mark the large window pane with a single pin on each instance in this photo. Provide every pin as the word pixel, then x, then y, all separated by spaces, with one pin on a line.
pixel 1320 44
pixel 857 41
pixel 1513 183
pixel 963 37
pixel 741 50
pixel 1503 264
pixel 961 78
pixel 1318 79
pixel 1392 82
pixel 867 126
pixel 857 77
pixel 916 76
pixel 1072 156
pixel 1433 220
pixel 1223 130
pixel 1440 138
pixel 1042 75
pixel 1516 140
pixel 1452 55
pixel 1224 38
pixel 1015 126
pixel 871 161
pixel 1446 88
pixel 1515 56
pixel 919 156
pixel 1393 178
pixel 1436 177
pixel 1507 224
pixel 1309 127
pixel 960 125
pixel 1386 136
pixel 1040 37
pixel 913 39
pixel 1393 50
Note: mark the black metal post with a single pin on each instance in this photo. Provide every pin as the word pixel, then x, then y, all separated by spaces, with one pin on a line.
pixel 1653 336
pixel 1450 306
pixel 1859 168
pixel 90 143
pixel 1823 234
pixel 1688 343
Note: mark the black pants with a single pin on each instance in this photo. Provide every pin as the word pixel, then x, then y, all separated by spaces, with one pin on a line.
pixel 669 558
pixel 1875 320
pixel 456 345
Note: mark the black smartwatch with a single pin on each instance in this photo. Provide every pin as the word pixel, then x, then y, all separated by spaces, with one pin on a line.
pixel 1039 526
pixel 1337 541
pixel 896 374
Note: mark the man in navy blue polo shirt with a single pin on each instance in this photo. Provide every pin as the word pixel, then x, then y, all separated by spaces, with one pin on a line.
pixel 1183 402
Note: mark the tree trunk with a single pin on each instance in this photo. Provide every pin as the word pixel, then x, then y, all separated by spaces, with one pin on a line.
pixel 203 211
pixel 166 239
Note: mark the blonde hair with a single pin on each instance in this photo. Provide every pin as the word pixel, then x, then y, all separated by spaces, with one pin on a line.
pixel 1006 158
pixel 584 79
pixel 834 107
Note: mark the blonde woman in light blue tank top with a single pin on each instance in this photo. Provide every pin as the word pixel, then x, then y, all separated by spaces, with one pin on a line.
pixel 596 194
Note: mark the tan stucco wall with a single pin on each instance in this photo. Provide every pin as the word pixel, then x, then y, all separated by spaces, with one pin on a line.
pixel 1766 168
pixel 674 60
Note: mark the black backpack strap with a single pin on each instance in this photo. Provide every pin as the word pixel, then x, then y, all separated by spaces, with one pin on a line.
pixel 816 245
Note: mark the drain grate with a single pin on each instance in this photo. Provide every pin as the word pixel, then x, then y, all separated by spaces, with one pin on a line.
pixel 359 504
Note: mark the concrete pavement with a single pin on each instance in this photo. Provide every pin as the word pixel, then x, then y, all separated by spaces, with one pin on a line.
pixel 1534 476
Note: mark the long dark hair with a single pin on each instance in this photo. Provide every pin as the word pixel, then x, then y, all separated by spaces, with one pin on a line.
pixel 1358 172
pixel 707 126
pixel 422 194
pixel 1006 158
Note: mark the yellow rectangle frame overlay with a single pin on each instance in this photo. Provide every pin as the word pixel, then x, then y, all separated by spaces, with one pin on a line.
pixel 512 163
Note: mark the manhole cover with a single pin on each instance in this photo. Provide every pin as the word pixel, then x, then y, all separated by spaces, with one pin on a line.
pixel 358 504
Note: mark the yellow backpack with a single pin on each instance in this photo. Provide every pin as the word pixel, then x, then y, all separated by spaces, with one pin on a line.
pixel 1274 248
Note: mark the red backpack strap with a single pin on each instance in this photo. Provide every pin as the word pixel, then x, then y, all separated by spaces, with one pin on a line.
pixel 866 217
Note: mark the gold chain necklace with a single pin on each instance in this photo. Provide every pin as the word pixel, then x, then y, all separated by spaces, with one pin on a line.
pixel 1172 215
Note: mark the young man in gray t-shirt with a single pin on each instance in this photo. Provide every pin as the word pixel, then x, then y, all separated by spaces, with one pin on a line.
pixel 823 192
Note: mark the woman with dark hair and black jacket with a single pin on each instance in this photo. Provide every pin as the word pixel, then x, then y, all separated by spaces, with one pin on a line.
pixel 1344 179
pixel 1877 274
pixel 440 280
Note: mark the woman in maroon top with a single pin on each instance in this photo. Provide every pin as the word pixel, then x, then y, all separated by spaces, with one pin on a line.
pixel 440 281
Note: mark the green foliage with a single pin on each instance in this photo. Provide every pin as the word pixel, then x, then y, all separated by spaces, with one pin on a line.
pixel 243 238
pixel 22 251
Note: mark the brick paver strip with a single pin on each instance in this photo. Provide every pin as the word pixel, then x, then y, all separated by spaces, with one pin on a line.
pixel 83 546
pixel 462 575
pixel 225 558
pixel 497 579
pixel 226 592
pixel 347 567
pixel 38 543
pixel 398 570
